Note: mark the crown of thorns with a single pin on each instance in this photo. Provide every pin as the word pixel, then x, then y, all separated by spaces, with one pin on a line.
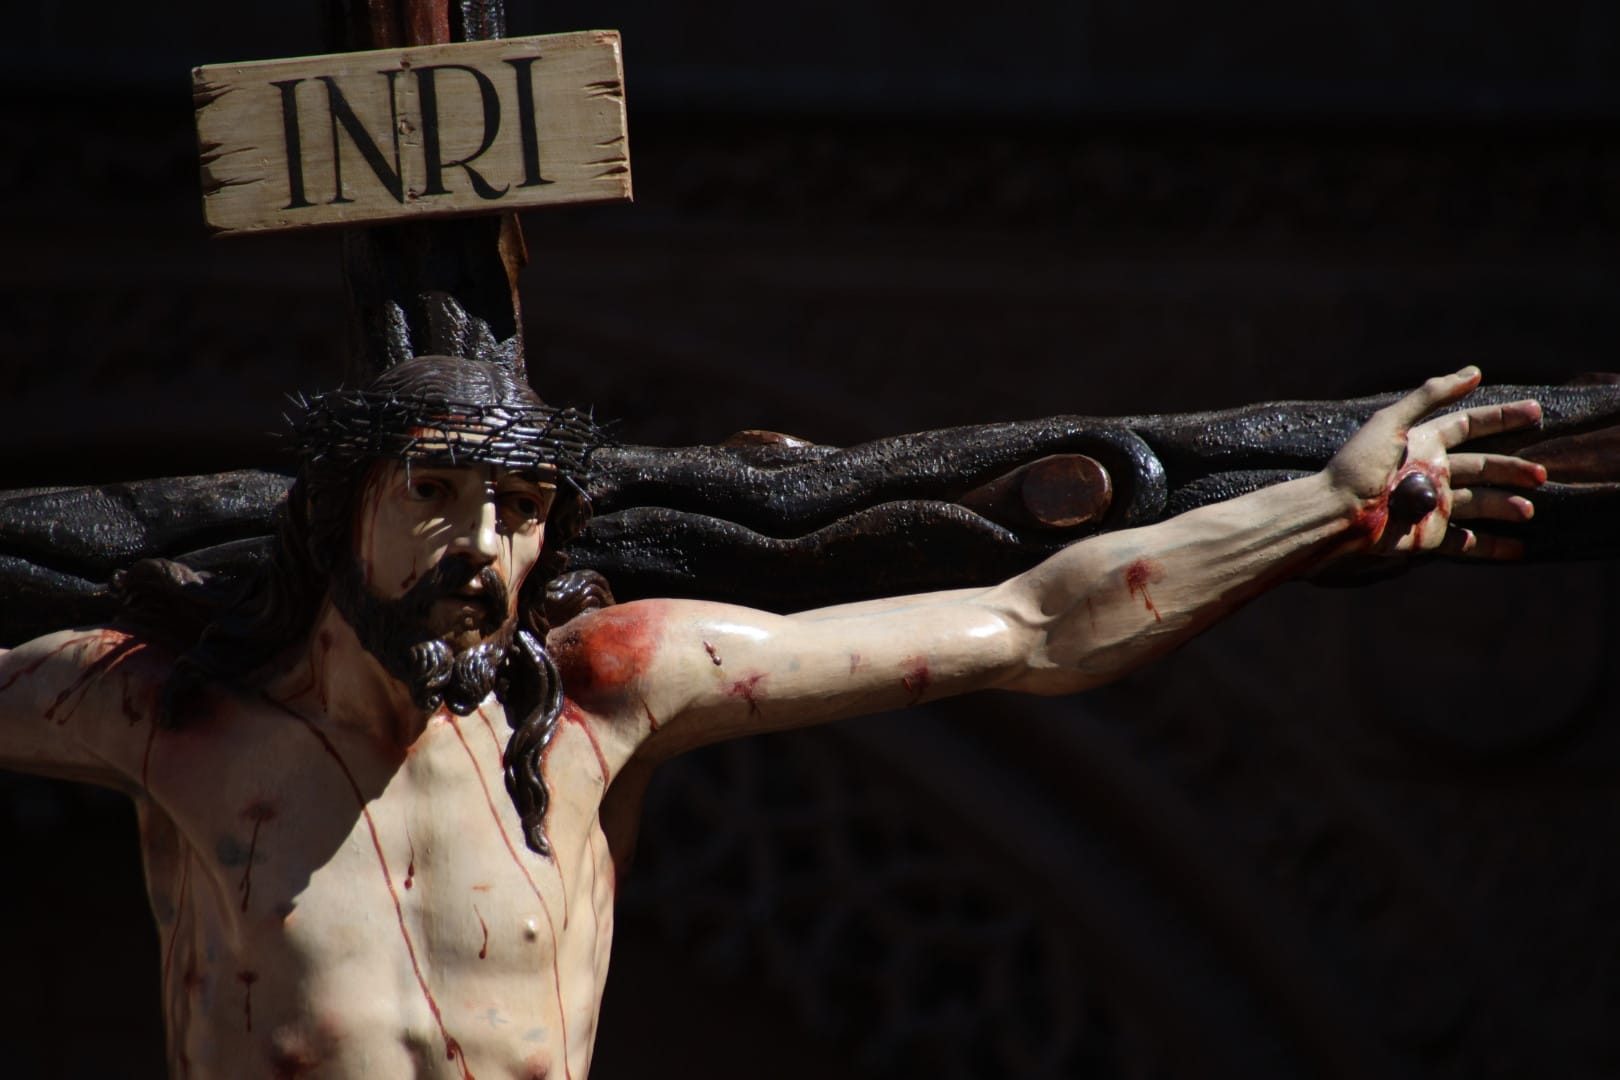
pixel 356 425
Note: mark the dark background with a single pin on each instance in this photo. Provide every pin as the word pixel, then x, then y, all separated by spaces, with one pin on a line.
pixel 1350 833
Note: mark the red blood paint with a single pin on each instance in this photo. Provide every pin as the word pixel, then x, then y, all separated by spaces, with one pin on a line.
pixel 500 827
pixel 483 950
pixel 409 580
pixel 174 931
pixel 590 857
pixel 489 726
pixel 855 662
pixel 748 689
pixel 916 677
pixel 132 712
pixel 1373 519
pixel 1138 576
pixel 571 715
pixel 652 721
pixel 146 756
pixel 602 652
pixel 410 867
pixel 192 979
pixel 258 811
pixel 452 1047
pixel 40 662
pixel 122 648
pixel 712 654
pixel 247 979
pixel 1092 612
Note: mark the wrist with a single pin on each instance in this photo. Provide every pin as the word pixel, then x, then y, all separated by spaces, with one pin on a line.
pixel 1361 518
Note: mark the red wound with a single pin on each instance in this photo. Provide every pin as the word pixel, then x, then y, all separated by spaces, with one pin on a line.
pixel 572 715
pixel 258 811
pixel 601 653
pixel 41 661
pixel 916 676
pixel 120 648
pixel 1138 576
pixel 247 979
pixel 748 689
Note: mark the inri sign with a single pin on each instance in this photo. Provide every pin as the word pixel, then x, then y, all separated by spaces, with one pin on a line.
pixel 482 127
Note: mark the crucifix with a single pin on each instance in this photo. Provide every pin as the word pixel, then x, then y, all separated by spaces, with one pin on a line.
pixel 324 756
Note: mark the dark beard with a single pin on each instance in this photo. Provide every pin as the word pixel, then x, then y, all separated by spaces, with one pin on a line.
pixel 400 634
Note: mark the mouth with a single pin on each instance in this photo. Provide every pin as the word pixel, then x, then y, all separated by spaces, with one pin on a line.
pixel 473 608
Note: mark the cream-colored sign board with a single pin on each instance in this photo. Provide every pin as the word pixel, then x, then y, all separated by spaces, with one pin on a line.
pixel 399 134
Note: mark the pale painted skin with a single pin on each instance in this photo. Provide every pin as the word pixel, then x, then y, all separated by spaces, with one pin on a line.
pixel 304 937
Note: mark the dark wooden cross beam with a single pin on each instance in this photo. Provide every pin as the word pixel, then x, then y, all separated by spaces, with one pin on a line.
pixel 424 151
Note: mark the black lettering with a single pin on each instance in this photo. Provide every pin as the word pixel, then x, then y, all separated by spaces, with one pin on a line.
pixel 528 122
pixel 343 114
pixel 295 145
pixel 426 78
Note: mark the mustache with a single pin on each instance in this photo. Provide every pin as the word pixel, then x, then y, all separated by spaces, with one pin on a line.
pixel 448 578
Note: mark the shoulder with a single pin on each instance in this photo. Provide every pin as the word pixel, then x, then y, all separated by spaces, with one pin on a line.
pixel 58 669
pixel 611 650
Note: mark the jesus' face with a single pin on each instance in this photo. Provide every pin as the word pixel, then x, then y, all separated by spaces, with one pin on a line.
pixel 416 517
pixel 440 556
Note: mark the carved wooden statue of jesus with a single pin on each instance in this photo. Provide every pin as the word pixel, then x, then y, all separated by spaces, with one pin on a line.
pixel 387 779
pixel 385 788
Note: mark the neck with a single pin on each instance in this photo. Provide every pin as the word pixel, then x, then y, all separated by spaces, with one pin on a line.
pixel 334 678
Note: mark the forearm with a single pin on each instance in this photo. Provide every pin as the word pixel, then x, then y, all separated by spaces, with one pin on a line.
pixel 1111 603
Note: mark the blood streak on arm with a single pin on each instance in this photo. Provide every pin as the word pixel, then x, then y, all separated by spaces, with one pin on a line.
pixel 1138 575
pixel 120 648
pixel 915 677
pixel 40 661
pixel 748 689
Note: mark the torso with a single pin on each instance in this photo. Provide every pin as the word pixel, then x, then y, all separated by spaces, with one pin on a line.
pixel 330 905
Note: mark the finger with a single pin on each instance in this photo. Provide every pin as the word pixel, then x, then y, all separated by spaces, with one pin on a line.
pixel 1474 503
pixel 1483 420
pixel 1471 545
pixel 1438 391
pixel 1502 470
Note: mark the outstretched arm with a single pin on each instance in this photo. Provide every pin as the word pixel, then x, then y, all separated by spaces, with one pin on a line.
pixel 689 673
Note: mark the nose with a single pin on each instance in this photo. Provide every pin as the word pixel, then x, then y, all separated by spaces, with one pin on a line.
pixel 481 542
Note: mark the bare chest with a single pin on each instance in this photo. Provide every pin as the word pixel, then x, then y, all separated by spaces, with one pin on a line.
pixel 336 896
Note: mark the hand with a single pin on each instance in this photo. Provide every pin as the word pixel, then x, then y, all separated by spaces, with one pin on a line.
pixel 1397 449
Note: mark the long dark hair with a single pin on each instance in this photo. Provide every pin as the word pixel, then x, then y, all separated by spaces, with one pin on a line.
pixel 232 632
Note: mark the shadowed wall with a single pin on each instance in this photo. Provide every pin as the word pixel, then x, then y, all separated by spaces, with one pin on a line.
pixel 1351 833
